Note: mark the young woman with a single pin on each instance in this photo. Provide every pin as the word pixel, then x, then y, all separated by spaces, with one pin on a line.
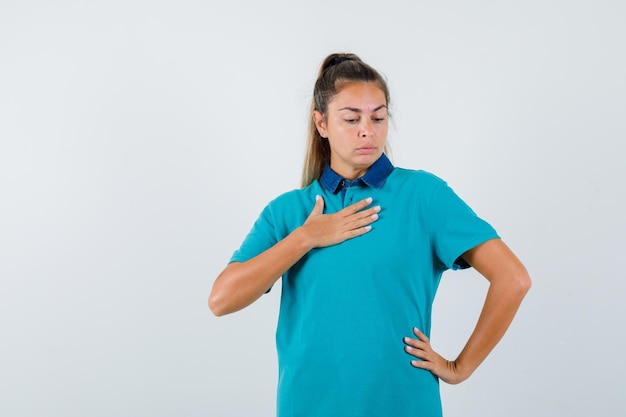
pixel 361 249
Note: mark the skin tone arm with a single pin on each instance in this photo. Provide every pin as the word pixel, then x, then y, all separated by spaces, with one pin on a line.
pixel 508 284
pixel 242 283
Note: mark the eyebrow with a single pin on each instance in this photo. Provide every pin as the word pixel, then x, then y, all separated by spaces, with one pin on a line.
pixel 354 109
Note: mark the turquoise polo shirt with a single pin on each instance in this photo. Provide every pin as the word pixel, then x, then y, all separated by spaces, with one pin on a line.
pixel 346 308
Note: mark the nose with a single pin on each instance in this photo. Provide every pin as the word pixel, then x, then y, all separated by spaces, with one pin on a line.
pixel 365 129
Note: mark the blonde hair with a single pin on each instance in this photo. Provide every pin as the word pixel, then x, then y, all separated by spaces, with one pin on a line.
pixel 336 72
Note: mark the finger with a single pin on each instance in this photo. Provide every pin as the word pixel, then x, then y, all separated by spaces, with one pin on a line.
pixel 358 206
pixel 357 232
pixel 421 336
pixel 413 351
pixel 422 365
pixel 415 343
pixel 367 213
pixel 361 221
pixel 318 208
pixel 422 359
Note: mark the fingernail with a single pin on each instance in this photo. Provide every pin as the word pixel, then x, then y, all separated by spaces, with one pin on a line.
pixel 374 216
pixel 368 228
pixel 406 340
pixel 368 199
pixel 317 197
pixel 377 209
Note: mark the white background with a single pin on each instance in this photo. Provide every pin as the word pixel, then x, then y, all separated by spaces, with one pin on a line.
pixel 139 140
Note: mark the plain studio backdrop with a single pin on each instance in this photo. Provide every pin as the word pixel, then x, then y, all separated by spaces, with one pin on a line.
pixel 141 139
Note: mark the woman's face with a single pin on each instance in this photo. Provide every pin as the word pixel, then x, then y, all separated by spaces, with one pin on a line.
pixel 356 128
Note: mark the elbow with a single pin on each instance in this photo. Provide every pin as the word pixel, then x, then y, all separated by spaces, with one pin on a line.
pixel 220 300
pixel 523 282
pixel 213 306
pixel 216 305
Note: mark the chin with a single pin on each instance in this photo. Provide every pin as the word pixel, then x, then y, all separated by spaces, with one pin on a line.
pixel 367 159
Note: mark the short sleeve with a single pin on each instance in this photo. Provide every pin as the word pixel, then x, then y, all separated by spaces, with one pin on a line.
pixel 455 228
pixel 259 239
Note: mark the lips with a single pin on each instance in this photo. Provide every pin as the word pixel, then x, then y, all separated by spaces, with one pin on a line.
pixel 366 150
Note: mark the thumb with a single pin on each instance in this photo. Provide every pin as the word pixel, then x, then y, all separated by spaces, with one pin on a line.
pixel 319 205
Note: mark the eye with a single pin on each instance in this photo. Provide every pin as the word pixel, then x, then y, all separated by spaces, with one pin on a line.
pixel 351 121
pixel 378 119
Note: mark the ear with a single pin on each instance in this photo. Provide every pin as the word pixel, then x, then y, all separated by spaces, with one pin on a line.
pixel 320 123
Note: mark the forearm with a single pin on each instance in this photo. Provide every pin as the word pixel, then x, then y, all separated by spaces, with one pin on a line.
pixel 242 283
pixel 501 304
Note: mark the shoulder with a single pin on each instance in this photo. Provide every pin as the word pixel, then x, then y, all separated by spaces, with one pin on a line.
pixel 421 179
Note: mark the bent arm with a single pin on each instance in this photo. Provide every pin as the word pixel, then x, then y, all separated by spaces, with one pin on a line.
pixel 242 283
pixel 508 284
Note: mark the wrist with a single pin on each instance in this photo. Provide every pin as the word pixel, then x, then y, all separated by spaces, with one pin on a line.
pixel 462 370
pixel 302 239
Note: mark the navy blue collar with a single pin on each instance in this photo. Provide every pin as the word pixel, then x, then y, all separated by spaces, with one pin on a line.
pixel 375 176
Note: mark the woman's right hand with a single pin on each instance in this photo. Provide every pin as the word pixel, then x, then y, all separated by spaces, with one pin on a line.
pixel 330 229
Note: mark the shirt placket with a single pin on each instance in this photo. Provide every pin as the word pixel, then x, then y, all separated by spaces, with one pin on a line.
pixel 348 189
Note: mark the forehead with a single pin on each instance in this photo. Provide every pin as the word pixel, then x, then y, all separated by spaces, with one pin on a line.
pixel 359 95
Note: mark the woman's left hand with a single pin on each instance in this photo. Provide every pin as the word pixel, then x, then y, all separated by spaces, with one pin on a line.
pixel 430 360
